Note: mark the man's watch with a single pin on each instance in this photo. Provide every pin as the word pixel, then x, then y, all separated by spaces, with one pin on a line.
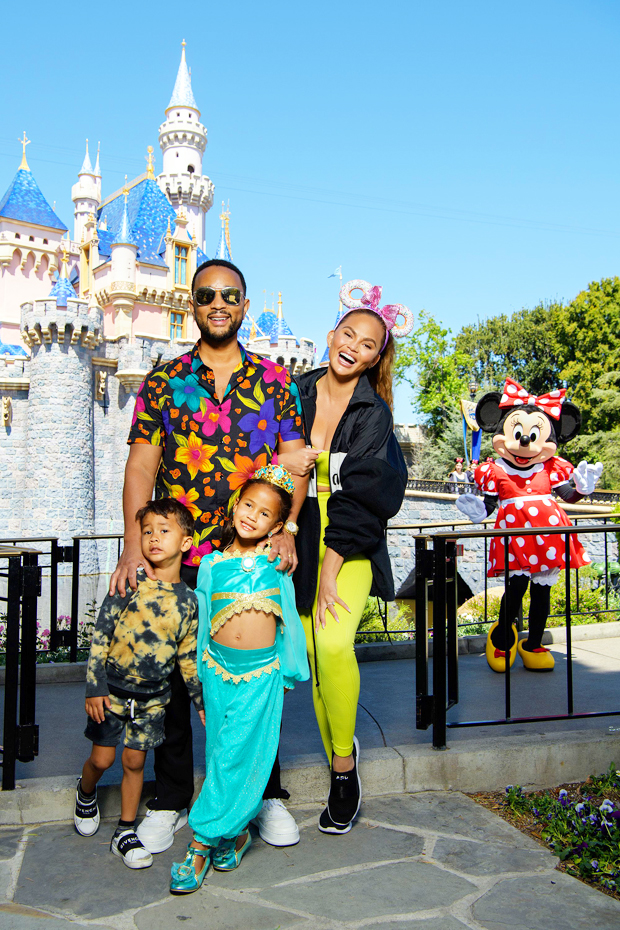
pixel 291 528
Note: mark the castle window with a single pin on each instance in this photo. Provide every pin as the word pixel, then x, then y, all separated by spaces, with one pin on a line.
pixel 31 238
pixel 17 236
pixel 190 169
pixel 45 242
pixel 176 326
pixel 180 264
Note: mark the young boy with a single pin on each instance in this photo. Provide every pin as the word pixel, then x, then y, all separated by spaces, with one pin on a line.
pixel 136 642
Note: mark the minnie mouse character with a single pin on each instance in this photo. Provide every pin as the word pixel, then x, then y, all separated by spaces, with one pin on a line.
pixel 527 431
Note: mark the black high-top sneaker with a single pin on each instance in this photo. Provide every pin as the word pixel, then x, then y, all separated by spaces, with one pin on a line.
pixel 345 797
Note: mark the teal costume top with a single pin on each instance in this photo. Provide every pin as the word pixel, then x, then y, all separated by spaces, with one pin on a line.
pixel 229 583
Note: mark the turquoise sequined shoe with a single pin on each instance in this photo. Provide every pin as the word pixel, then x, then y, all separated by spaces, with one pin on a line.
pixel 226 857
pixel 184 878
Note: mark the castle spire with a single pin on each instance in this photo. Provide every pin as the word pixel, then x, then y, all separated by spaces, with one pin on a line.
pixel 280 317
pixel 150 164
pixel 86 168
pixel 222 249
pixel 182 95
pixel 24 142
pixel 124 235
pixel 97 168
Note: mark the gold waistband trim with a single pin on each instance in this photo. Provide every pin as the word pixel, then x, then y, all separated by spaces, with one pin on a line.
pixel 248 676
pixel 244 602
pixel 232 595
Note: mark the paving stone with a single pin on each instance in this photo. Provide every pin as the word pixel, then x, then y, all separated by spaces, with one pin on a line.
pixel 265 865
pixel 206 909
pixel 540 903
pixel 9 841
pixel 489 859
pixel 446 812
pixel 403 888
pixel 434 923
pixel 15 917
pixel 79 875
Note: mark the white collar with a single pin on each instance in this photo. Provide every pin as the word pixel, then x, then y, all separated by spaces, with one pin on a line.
pixel 519 472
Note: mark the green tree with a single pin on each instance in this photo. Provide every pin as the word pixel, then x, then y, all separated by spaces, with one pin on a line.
pixel 437 373
pixel 589 342
pixel 523 346
pixel 435 458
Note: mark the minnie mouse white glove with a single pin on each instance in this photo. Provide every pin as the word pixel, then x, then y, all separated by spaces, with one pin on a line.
pixel 586 477
pixel 472 507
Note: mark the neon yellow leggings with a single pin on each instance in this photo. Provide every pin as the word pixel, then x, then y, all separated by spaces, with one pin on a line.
pixel 336 687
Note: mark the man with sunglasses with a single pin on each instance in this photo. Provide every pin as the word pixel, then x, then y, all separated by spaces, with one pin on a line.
pixel 203 423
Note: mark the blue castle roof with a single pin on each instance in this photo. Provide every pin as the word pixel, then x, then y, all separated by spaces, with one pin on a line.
pixel 246 328
pixel 222 249
pixel 182 95
pixel 266 322
pixel 24 201
pixel 17 351
pixel 148 212
pixel 62 291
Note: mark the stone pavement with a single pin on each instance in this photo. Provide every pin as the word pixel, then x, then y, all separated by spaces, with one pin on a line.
pixel 427 861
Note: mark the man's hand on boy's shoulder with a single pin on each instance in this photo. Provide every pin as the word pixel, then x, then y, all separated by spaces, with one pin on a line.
pixel 124 576
pixel 95 707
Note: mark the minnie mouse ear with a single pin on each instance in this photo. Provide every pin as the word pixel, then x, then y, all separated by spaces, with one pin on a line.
pixel 570 422
pixel 488 413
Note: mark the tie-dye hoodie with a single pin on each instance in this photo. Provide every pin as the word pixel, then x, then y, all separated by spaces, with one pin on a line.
pixel 138 637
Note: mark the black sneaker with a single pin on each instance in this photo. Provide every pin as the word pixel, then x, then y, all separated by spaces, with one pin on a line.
pixel 327 825
pixel 345 794
pixel 86 813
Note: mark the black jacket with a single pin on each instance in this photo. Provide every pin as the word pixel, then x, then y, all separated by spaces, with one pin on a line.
pixel 368 477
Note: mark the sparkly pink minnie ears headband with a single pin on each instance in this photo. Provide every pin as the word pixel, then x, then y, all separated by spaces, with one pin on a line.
pixel 370 301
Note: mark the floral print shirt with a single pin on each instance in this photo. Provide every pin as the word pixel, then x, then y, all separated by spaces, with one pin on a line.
pixel 211 447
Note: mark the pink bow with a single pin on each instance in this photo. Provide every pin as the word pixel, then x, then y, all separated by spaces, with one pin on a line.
pixel 388 314
pixel 514 396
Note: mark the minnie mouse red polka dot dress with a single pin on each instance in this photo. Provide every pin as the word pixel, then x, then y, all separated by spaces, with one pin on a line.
pixel 525 500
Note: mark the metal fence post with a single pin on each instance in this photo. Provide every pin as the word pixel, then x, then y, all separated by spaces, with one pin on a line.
pixel 422 700
pixel 75 600
pixel 439 643
pixel 28 742
pixel 9 748
pixel 452 623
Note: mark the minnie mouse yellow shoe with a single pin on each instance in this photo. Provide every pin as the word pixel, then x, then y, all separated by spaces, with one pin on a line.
pixel 497 657
pixel 538 660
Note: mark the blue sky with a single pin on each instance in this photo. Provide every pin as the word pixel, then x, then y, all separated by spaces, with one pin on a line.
pixel 463 155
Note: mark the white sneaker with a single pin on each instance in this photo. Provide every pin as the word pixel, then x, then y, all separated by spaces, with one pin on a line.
pixel 156 832
pixel 275 825
pixel 85 814
pixel 128 847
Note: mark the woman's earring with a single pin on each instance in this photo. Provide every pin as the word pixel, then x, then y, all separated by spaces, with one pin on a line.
pixel 270 534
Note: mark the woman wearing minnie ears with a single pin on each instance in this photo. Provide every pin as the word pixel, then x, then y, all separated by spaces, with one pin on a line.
pixel 357 483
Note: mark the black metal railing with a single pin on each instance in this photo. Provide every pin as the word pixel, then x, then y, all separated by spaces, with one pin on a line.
pixel 444 486
pixel 20 738
pixel 56 555
pixel 439 566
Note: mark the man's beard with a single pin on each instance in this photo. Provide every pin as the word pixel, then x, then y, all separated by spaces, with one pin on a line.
pixel 215 338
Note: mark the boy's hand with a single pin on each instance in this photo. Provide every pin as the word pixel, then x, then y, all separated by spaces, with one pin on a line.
pixel 203 718
pixel 95 707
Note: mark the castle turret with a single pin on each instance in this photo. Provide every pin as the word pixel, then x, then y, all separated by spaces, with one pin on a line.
pixel 183 140
pixel 123 260
pixel 61 332
pixel 86 194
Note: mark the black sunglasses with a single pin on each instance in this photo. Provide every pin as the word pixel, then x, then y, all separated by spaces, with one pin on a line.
pixel 203 296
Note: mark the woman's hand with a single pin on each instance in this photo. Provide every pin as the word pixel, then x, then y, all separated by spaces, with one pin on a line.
pixel 328 590
pixel 300 462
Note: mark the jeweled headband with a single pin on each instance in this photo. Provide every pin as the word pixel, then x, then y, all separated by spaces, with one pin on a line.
pixel 276 474
pixel 371 295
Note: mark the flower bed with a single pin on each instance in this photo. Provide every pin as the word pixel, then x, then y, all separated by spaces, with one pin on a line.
pixel 580 823
pixel 63 624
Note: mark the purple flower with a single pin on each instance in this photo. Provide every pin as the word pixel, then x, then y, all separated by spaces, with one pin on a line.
pixel 563 793
pixel 595 864
pixel 288 431
pixel 167 424
pixel 262 426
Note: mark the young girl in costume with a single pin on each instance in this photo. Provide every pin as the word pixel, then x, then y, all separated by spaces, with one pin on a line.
pixel 251 646
pixel 358 480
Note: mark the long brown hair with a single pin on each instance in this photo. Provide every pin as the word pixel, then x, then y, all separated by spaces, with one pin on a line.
pixel 380 375
pixel 286 502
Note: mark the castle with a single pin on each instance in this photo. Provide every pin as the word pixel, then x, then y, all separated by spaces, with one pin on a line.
pixel 84 318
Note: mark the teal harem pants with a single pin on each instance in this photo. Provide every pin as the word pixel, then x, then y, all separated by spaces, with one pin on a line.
pixel 243 694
